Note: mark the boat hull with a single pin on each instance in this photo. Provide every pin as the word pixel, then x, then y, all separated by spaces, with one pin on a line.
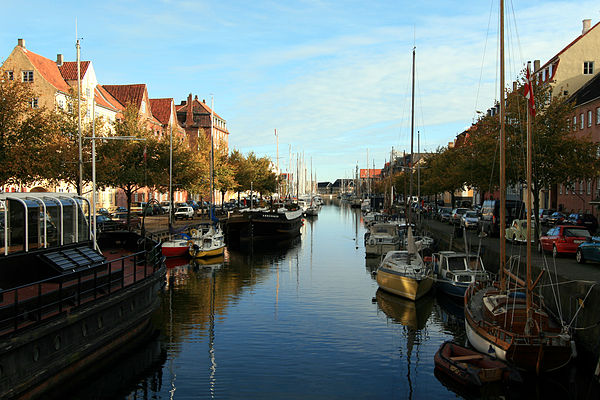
pixel 175 251
pixel 404 286
pixel 50 353
pixel 201 253
pixel 454 289
pixel 263 225
pixel 380 249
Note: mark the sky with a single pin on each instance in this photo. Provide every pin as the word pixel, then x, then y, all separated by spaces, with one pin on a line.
pixel 333 77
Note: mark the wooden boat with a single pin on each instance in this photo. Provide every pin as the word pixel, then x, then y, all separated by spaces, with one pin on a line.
pixel 469 367
pixel 404 273
pixel 68 302
pixel 505 318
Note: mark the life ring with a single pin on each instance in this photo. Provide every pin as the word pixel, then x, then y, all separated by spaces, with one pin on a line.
pixel 194 233
pixel 190 243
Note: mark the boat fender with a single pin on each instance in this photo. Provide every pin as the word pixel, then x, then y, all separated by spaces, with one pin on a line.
pixel 194 232
pixel 573 349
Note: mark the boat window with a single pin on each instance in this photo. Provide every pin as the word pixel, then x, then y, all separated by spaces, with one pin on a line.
pixel 475 263
pixel 68 221
pixel 53 228
pixel 456 264
pixel 83 212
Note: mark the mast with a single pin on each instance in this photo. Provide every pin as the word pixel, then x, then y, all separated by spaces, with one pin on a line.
pixel 212 157
pixel 78 47
pixel 528 285
pixel 171 176
pixel 412 134
pixel 502 158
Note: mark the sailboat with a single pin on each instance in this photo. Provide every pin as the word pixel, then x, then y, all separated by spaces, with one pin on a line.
pixel 212 243
pixel 503 318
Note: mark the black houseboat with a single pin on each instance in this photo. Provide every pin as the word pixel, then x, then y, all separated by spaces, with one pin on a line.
pixel 67 303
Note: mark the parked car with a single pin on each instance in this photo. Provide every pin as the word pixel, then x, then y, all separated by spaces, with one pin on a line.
pixel 588 251
pixel 545 213
pixel 186 212
pixel 469 220
pixel 444 214
pixel 134 221
pixel 166 206
pixel 106 224
pixel 556 218
pixel 102 211
pixel 457 214
pixel 517 231
pixel 583 219
pixel 563 239
pixel 489 221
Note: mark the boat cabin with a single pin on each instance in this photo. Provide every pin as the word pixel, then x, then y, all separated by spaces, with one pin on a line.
pixel 31 221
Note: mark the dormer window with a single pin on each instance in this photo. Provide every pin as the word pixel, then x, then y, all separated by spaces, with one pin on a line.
pixel 10 75
pixel 588 67
pixel 27 76
pixel 34 102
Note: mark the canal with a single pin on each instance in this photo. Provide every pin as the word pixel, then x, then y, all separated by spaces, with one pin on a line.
pixel 300 320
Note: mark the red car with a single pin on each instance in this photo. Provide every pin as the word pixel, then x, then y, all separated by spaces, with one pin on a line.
pixel 563 239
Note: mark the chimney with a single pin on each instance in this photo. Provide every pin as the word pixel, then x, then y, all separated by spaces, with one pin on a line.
pixel 536 65
pixel 196 97
pixel 587 24
pixel 204 101
pixel 21 43
pixel 59 60
pixel 189 115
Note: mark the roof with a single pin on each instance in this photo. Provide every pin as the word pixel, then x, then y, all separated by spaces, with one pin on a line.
pixel 69 69
pixel 199 107
pixel 161 109
pixel 48 69
pixel 105 99
pixel 127 94
pixel 588 92
pixel 566 48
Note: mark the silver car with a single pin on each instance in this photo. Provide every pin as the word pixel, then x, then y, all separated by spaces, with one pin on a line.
pixel 469 220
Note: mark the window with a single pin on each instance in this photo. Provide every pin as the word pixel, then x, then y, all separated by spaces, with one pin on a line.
pixel 10 75
pixel 574 123
pixel 589 118
pixel 588 67
pixel 27 76
pixel 143 106
pixel 589 186
pixel 61 104
pixel 560 189
pixel 581 122
pixel 34 102
pixel 87 92
pixel 581 185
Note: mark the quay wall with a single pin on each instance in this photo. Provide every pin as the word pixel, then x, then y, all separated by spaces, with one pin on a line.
pixel 579 284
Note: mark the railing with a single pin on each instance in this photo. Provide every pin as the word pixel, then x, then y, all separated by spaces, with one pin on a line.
pixel 28 304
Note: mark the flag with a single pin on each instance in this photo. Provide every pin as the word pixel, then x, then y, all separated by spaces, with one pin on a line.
pixel 528 92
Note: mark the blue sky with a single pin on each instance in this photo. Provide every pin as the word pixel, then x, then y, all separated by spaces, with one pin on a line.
pixel 333 77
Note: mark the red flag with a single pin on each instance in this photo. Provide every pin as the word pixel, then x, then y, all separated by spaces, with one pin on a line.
pixel 528 92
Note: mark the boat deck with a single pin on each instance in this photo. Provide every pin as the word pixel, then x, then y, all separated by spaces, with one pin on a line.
pixel 28 304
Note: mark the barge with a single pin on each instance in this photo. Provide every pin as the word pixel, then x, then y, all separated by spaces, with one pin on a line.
pixel 67 301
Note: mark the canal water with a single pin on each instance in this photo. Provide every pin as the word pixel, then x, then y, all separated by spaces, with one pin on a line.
pixel 298 320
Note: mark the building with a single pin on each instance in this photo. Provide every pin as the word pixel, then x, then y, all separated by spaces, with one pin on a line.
pixel 583 196
pixel 575 64
pixel 194 116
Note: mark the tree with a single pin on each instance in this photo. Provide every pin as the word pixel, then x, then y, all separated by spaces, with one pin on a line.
pixel 130 164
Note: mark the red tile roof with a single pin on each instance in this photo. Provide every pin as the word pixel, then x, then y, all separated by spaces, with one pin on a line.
pixel 105 99
pixel 127 94
pixel 199 107
pixel 566 47
pixel 48 69
pixel 69 70
pixel 161 109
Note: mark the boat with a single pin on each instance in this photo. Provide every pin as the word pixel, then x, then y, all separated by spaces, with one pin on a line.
pixel 468 367
pixel 381 238
pixel 176 246
pixel 211 244
pixel 403 272
pixel 68 300
pixel 263 224
pixel 504 317
pixel 455 271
